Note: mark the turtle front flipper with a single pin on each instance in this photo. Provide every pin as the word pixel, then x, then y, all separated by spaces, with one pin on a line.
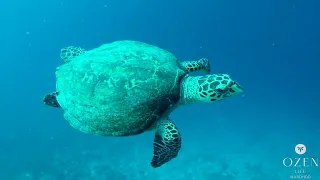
pixel 51 99
pixel 167 142
pixel 192 66
pixel 69 53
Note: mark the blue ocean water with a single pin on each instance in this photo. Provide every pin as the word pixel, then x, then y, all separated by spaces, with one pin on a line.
pixel 270 47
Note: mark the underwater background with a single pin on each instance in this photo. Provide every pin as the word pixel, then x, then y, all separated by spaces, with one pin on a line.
pixel 271 47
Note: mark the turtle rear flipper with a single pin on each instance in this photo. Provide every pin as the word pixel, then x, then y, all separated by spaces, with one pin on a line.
pixel 167 142
pixel 51 99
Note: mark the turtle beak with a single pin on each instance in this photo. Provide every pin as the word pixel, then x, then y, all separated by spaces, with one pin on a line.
pixel 236 88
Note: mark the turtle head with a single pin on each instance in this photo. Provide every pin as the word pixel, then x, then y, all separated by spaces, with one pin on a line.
pixel 223 86
pixel 210 88
pixel 71 52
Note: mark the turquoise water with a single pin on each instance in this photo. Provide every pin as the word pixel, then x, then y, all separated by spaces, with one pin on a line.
pixel 270 47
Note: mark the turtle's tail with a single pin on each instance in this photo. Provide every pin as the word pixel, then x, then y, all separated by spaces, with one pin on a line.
pixel 51 99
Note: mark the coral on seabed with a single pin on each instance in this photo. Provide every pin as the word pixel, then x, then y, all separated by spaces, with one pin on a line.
pixel 102 165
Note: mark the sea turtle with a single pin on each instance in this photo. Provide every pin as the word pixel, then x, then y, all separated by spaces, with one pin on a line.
pixel 125 88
